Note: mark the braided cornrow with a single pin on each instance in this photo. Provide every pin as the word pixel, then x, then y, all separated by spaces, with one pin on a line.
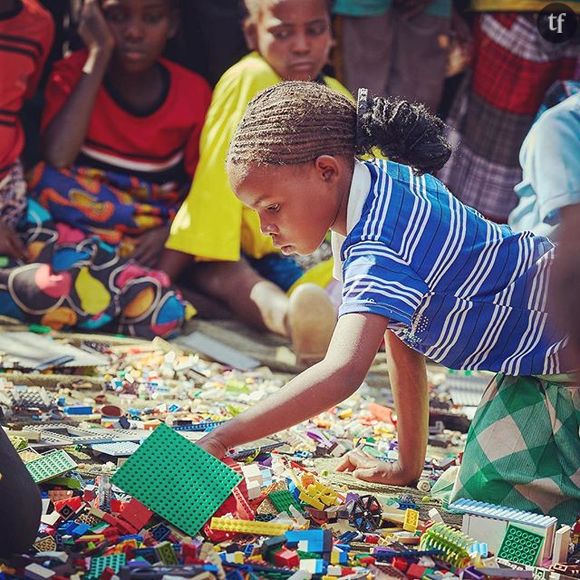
pixel 295 122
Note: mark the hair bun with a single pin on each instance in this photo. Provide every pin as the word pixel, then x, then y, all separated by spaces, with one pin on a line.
pixel 404 132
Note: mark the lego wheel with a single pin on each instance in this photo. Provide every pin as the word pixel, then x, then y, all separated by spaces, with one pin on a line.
pixel 365 514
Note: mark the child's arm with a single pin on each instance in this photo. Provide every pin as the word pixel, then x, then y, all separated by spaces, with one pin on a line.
pixel 408 378
pixel 351 352
pixel 20 502
pixel 66 132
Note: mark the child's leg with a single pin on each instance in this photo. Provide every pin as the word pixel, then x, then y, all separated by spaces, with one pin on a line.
pixel 366 52
pixel 523 447
pixel 420 45
pixel 307 317
pixel 20 505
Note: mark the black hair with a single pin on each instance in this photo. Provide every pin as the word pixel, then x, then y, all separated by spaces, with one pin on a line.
pixel 297 121
pixel 251 8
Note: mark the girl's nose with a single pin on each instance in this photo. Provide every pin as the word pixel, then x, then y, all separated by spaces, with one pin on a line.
pixel 134 29
pixel 267 228
pixel 301 43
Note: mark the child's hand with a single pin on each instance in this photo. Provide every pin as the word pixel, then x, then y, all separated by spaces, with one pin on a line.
pixel 93 28
pixel 213 445
pixel 368 468
pixel 10 244
pixel 149 246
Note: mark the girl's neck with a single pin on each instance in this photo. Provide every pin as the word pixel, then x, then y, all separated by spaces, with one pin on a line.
pixel 141 91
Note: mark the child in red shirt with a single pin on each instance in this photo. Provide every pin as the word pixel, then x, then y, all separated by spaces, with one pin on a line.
pixel 26 35
pixel 120 133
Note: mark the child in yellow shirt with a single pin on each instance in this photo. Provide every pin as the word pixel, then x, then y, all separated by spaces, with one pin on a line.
pixel 236 263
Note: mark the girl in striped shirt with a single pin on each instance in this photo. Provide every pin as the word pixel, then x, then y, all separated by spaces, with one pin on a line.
pixel 422 270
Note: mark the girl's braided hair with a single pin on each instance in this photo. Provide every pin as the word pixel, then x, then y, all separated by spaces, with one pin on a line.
pixel 296 121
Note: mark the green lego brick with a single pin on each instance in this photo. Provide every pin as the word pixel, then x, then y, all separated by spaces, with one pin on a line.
pixel 176 479
pixel 98 564
pixel 521 546
pixel 283 499
pixel 50 465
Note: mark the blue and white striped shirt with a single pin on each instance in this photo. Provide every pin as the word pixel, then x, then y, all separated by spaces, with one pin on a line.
pixel 464 291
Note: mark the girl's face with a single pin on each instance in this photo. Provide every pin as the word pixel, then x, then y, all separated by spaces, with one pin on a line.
pixel 296 204
pixel 141 29
pixel 293 36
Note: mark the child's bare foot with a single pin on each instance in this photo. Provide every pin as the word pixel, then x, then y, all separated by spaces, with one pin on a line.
pixel 311 322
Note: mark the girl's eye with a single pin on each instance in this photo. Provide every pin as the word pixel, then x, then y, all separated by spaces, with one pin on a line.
pixel 115 15
pixel 153 18
pixel 317 29
pixel 274 208
pixel 281 34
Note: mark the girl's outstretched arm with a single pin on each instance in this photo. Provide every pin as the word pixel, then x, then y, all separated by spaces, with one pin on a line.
pixel 408 378
pixel 352 349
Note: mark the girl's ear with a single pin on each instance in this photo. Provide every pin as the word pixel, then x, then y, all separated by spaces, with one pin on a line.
pixel 173 24
pixel 250 34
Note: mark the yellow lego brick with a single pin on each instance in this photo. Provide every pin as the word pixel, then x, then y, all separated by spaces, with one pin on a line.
pixel 239 557
pixel 248 527
pixel 411 520
pixel 311 501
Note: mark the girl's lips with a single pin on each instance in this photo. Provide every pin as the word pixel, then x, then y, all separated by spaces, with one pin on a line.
pixel 133 55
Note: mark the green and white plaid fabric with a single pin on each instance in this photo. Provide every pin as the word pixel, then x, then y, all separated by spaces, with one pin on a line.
pixel 523 447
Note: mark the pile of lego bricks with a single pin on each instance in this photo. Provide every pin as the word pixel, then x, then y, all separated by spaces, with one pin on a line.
pixel 128 494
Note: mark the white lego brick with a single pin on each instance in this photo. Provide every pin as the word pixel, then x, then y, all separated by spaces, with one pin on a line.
pixel 561 544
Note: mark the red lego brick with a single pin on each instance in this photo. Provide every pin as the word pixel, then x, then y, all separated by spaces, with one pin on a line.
pixel 286 558
pixel 74 503
pixel 416 571
pixel 400 564
pixel 136 514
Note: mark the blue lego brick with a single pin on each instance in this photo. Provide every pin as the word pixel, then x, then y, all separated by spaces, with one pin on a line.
pixel 80 530
pixel 204 426
pixel 317 540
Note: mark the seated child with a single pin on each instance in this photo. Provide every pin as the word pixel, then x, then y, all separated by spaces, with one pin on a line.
pixel 549 159
pixel 121 130
pixel 422 270
pixel 235 262
pixel 27 32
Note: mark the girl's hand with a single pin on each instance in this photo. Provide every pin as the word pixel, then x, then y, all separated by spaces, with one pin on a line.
pixel 149 246
pixel 94 30
pixel 213 445
pixel 368 468
pixel 10 244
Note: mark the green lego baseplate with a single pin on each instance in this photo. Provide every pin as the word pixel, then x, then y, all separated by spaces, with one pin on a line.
pixel 176 479
pixel 521 546
pixel 50 465
pixel 283 499
pixel 98 564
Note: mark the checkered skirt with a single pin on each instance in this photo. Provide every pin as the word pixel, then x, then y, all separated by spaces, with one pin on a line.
pixel 523 447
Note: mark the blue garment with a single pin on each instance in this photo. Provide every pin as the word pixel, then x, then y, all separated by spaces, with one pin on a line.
pixel 365 8
pixel 464 291
pixel 279 269
pixel 550 160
